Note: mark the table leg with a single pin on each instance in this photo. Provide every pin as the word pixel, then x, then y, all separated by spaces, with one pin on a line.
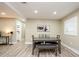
pixel 8 39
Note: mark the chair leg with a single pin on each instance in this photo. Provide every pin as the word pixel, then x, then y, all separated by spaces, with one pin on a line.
pixel 33 50
pixel 56 52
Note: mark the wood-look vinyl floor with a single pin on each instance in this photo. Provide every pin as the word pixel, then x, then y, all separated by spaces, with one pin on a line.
pixel 23 50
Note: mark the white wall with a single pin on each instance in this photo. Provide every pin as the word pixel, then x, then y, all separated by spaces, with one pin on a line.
pixel 7 25
pixel 31 28
pixel 70 40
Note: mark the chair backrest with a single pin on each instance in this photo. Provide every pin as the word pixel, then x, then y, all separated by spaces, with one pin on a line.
pixel 44 36
pixel 47 36
pixel 58 36
pixel 41 36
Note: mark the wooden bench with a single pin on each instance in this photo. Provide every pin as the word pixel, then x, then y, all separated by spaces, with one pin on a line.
pixel 46 46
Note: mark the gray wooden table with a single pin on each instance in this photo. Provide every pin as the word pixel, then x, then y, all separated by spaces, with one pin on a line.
pixel 51 39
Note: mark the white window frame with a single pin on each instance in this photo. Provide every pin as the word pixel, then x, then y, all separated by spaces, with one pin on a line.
pixel 70 26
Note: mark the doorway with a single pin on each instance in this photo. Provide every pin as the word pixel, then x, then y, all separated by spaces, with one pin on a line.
pixel 20 31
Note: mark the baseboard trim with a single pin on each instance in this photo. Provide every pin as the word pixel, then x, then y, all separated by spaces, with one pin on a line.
pixel 28 42
pixel 74 50
pixel 9 42
pixel 12 42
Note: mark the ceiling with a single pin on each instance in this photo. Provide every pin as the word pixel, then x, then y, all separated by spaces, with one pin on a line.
pixel 45 9
pixel 9 13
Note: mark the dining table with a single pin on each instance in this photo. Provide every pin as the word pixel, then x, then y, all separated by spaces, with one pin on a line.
pixel 44 40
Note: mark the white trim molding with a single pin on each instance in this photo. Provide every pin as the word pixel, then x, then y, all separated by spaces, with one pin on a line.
pixel 12 42
pixel 74 50
pixel 9 42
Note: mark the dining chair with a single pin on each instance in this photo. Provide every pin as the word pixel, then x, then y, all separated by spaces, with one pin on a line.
pixel 34 44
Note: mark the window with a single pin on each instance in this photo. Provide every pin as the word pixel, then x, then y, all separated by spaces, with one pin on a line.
pixel 70 26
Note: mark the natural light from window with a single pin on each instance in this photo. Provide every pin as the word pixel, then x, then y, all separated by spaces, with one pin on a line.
pixel 70 26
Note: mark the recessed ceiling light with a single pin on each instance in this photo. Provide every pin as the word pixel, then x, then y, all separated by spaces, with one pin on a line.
pixel 35 11
pixel 3 13
pixel 54 12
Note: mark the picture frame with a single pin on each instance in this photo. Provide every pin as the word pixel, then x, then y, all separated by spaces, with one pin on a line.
pixel 43 28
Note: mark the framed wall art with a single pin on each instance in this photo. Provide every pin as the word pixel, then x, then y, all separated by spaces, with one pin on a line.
pixel 43 28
